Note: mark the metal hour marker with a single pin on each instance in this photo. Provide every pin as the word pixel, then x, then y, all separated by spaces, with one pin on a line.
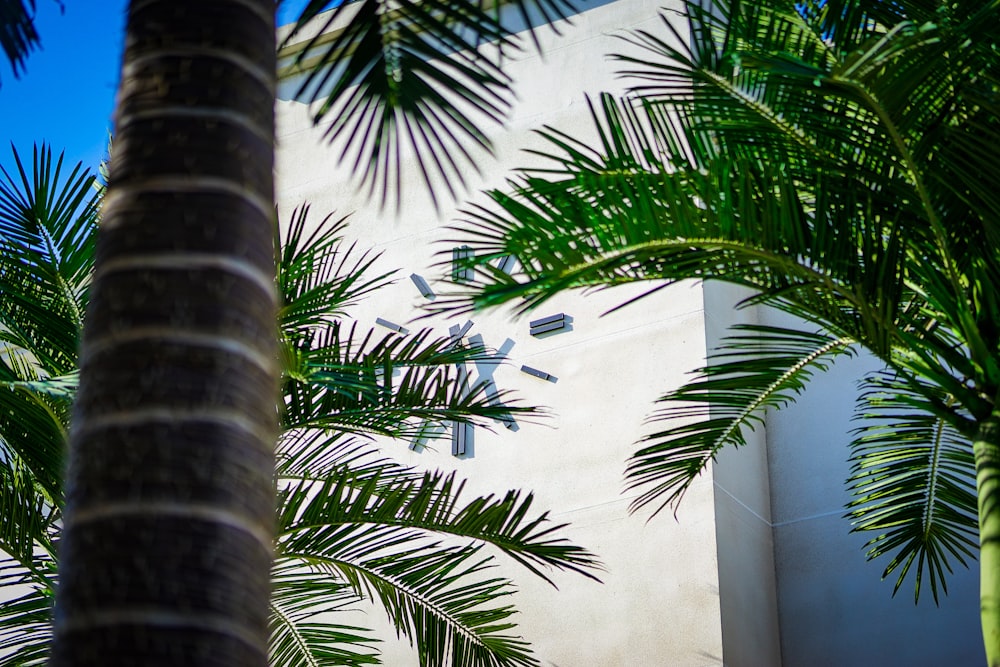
pixel 461 264
pixel 456 333
pixel 539 374
pixel 461 438
pixel 547 324
pixel 391 325
pixel 506 263
pixel 422 286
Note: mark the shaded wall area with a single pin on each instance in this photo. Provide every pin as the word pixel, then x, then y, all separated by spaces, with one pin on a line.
pixel 795 587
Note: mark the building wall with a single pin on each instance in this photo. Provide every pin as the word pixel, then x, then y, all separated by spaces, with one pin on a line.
pixel 658 603
pixel 759 567
pixel 744 526
pixel 834 608
pixel 796 589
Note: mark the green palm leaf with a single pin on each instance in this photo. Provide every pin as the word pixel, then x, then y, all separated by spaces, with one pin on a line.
pixel 835 157
pixel 32 424
pixel 387 385
pixel 47 226
pixel 400 501
pixel 339 378
pixel 758 369
pixel 441 601
pixel 639 209
pixel 315 455
pixel 303 633
pixel 26 619
pixel 27 519
pixel 338 391
pixel 63 387
pixel 47 222
pixel 391 533
pixel 913 478
pixel 320 276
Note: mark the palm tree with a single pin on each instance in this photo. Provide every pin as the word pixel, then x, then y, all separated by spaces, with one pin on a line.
pixel 171 453
pixel 352 524
pixel 168 523
pixel 44 278
pixel 837 158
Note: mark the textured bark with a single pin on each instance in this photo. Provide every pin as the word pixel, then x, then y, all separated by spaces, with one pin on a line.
pixel 987 452
pixel 166 551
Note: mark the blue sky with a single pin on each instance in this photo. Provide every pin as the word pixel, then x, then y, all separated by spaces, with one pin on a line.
pixel 66 95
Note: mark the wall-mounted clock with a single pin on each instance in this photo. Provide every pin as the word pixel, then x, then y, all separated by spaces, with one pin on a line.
pixel 504 348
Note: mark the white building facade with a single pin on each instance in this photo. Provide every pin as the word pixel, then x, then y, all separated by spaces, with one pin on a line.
pixel 758 568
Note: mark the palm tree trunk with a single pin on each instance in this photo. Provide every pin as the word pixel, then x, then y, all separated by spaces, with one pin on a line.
pixel 170 501
pixel 987 452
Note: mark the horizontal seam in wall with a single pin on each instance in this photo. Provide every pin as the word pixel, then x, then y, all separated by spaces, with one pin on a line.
pixel 743 505
pixel 821 515
pixel 779 524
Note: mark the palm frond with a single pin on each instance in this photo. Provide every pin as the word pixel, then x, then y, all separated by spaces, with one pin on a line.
pixel 756 369
pixel 47 225
pixel 315 455
pixel 26 619
pixel 377 527
pixel 438 594
pixel 448 609
pixel 913 478
pixel 639 208
pixel 303 609
pixel 63 387
pixel 435 596
pixel 838 158
pixel 388 385
pixel 399 504
pixel 27 519
pixel 319 275
pixel 409 77
pixel 18 36
pixel 33 423
pixel 801 177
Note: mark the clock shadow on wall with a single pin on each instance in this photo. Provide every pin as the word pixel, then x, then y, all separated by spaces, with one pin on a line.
pixel 480 373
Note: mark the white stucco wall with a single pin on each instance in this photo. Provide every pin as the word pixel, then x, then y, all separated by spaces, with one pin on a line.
pixel 658 604
pixel 744 525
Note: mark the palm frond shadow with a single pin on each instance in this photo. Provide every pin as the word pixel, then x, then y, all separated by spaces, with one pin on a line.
pixel 413 79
